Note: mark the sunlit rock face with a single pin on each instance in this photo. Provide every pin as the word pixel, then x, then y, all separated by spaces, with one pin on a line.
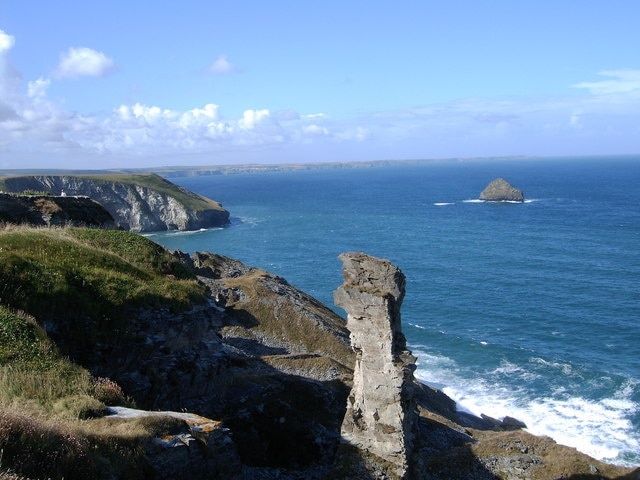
pixel 381 414
pixel 499 190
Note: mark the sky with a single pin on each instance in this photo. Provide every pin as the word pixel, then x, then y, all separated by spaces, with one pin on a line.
pixel 121 84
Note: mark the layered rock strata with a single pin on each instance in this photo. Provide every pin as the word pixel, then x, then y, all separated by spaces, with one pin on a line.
pixel 381 414
pixel 499 190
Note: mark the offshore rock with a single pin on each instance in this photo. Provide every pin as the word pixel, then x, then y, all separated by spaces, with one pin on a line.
pixel 499 190
pixel 381 414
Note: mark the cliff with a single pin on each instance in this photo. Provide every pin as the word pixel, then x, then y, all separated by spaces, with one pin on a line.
pixel 41 210
pixel 140 203
pixel 246 376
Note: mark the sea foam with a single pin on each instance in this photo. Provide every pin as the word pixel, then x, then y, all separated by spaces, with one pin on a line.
pixel 601 429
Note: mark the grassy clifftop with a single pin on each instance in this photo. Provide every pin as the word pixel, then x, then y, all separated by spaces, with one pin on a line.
pixel 46 400
pixel 50 272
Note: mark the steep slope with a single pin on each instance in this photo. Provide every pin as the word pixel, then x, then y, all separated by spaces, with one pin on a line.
pixel 140 203
pixel 94 318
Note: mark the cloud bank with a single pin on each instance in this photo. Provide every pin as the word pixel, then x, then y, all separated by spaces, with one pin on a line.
pixel 35 131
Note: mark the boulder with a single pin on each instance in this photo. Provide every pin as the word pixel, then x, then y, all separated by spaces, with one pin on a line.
pixel 499 190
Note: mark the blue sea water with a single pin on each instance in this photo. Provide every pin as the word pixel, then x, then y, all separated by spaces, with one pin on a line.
pixel 529 310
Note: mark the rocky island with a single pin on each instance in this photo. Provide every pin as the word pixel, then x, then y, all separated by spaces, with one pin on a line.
pixel 499 190
pixel 137 202
pixel 120 359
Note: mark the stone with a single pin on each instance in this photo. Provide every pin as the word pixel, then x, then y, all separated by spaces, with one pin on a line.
pixel 499 190
pixel 381 415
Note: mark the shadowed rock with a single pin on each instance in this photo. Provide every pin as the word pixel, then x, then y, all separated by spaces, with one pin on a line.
pixel 42 210
pixel 381 415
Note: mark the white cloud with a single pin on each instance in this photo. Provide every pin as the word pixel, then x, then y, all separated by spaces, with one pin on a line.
pixel 315 130
pixel 6 41
pixel 222 66
pixel 83 62
pixel 621 81
pixel 251 118
pixel 38 88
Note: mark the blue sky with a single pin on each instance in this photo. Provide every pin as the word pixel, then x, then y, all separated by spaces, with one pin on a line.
pixel 122 84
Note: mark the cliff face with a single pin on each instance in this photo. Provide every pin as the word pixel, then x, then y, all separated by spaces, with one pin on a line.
pixel 133 205
pixel 39 210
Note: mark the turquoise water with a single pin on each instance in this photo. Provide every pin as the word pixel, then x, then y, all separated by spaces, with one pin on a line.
pixel 529 310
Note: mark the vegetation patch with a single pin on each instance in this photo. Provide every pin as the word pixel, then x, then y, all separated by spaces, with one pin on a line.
pixel 52 410
pixel 101 274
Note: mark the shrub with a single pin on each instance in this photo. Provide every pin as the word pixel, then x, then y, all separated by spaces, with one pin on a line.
pixel 109 392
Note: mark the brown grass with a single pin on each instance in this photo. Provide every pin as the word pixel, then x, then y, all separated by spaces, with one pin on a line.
pixel 47 206
pixel 558 461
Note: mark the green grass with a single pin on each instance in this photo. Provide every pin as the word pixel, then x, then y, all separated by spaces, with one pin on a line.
pixel 23 341
pixel 101 274
pixel 51 409
pixel 35 376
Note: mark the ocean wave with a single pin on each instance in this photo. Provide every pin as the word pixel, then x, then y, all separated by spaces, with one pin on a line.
pixel 477 200
pixel 420 327
pixel 443 204
pixel 601 428
pixel 566 368
pixel 175 233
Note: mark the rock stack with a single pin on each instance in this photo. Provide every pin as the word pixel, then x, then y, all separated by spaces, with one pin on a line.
pixel 499 190
pixel 381 416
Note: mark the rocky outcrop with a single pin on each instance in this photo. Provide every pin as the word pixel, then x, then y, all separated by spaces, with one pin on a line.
pixel 274 366
pixel 381 414
pixel 41 210
pixel 499 190
pixel 143 203
pixel 269 361
pixel 198 447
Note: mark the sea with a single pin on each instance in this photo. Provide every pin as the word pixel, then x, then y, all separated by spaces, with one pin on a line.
pixel 530 310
